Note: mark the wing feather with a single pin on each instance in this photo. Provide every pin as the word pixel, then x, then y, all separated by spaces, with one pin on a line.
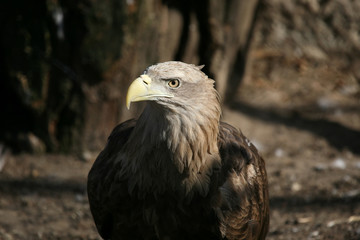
pixel 244 194
pixel 100 179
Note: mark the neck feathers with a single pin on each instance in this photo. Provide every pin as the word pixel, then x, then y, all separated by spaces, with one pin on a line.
pixel 175 145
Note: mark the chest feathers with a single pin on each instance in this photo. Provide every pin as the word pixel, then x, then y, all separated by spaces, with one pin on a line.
pixel 166 153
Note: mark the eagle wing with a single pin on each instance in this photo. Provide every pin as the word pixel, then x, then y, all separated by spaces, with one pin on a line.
pixel 101 178
pixel 244 205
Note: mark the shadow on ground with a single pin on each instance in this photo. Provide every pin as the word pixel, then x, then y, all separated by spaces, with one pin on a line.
pixel 337 135
pixel 41 186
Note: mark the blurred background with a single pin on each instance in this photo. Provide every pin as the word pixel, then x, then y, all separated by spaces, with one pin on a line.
pixel 288 73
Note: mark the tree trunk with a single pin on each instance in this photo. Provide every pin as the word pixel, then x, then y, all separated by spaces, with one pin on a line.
pixel 66 65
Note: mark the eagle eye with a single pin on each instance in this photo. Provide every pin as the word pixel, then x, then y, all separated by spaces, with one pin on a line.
pixel 174 83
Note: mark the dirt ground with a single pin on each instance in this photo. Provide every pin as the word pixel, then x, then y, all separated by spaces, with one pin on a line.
pixel 305 121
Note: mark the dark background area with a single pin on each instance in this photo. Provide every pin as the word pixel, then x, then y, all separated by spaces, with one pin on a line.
pixel 288 73
pixel 67 64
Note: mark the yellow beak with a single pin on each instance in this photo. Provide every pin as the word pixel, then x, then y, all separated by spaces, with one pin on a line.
pixel 142 89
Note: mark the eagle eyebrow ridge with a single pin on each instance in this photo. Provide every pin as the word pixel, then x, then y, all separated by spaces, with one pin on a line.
pixel 170 78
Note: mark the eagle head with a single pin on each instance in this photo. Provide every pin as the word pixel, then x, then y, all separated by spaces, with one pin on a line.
pixel 175 85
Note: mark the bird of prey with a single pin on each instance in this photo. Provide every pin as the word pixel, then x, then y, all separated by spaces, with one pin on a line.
pixel 178 172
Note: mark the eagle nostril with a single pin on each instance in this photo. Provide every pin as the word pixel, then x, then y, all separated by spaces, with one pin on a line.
pixel 146 79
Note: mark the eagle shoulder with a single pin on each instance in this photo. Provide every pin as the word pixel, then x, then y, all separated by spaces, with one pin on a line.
pixel 101 176
pixel 244 192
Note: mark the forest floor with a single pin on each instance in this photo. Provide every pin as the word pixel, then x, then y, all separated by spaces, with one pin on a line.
pixel 305 121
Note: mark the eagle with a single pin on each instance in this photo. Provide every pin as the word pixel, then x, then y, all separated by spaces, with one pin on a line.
pixel 178 172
